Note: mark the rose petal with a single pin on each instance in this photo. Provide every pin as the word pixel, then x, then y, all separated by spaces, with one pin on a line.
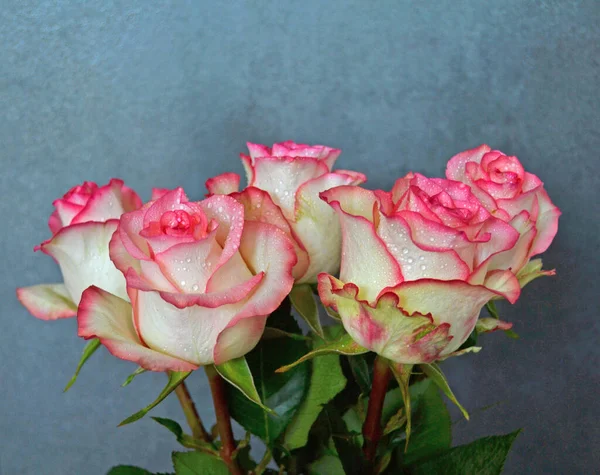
pixel 281 178
pixel 258 206
pixel 365 258
pixel 239 339
pixel 216 298
pixel 516 257
pixel 454 302
pixel 189 265
pixel 109 318
pixel 546 223
pixel 265 248
pixel 456 167
pixel 258 150
pixel 223 184
pixel 385 327
pixel 47 301
pixel 316 225
pixel 130 226
pixel 229 214
pixel 249 168
pixel 417 262
pixel 66 211
pixel 109 202
pixel 120 256
pixel 82 252
pixel 503 283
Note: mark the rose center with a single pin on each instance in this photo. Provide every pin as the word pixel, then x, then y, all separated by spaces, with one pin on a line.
pixel 179 223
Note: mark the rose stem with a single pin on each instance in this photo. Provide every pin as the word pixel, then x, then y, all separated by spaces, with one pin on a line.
pixel 372 426
pixel 217 387
pixel 191 415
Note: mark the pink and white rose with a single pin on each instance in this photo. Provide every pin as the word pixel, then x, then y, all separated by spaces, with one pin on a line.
pixel 411 285
pixel 284 183
pixel 201 278
pixel 82 225
pixel 510 193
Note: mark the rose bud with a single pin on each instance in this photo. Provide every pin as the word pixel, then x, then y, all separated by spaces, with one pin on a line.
pixel 82 225
pixel 201 278
pixel 283 189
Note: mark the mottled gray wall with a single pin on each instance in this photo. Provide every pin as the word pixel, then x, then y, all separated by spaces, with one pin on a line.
pixel 167 93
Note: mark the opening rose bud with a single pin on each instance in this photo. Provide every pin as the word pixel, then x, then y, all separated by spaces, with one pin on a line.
pixel 284 182
pixel 82 225
pixel 202 280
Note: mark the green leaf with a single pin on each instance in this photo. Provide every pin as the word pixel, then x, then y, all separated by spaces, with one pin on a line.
pixel 347 444
pixel 434 373
pixel 283 393
pixel 327 465
pixel 131 470
pixel 271 333
pixel 175 378
pixel 128 470
pixel 431 423
pixel 326 381
pixel 198 463
pixel 183 438
pixel 361 372
pixel 344 345
pixel 303 300
pixel 485 456
pixel 171 425
pixel 88 351
pixel 129 379
pixel 237 373
pixel 402 374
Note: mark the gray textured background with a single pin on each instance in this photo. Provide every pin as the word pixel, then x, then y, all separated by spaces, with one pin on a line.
pixel 167 95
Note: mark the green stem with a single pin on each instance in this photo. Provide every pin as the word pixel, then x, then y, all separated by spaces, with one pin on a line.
pixel 217 388
pixel 372 427
pixel 191 415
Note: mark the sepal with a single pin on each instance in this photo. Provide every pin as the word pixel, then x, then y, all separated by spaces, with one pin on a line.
pixel 344 345
pixel 434 373
pixel 531 271
pixel 88 351
pixel 175 379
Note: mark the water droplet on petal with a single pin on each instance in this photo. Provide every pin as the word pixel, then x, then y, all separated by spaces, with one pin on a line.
pixel 423 267
pixel 405 251
pixel 182 283
pixel 410 260
pixel 195 287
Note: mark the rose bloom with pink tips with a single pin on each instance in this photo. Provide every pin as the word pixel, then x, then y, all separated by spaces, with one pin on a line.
pixel 284 182
pixel 202 280
pixel 82 225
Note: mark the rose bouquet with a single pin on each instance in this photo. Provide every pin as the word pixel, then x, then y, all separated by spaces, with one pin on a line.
pixel 231 284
